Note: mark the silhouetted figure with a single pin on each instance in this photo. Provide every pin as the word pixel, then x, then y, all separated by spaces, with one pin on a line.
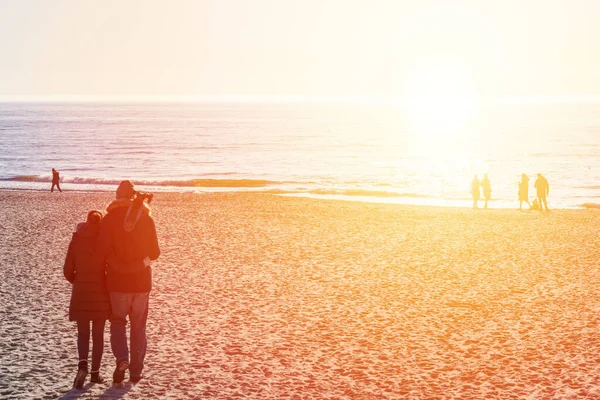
pixel 524 191
pixel 475 191
pixel 55 180
pixel 486 185
pixel 542 188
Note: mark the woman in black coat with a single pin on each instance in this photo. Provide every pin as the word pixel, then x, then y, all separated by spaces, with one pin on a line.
pixel 90 301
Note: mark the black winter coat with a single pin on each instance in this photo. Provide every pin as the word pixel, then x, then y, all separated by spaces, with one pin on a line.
pixel 130 243
pixel 86 271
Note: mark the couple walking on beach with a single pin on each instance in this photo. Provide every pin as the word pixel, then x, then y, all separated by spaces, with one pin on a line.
pixel 476 187
pixel 542 190
pixel 108 264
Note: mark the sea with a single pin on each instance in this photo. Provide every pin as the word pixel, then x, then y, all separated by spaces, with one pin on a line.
pixel 347 151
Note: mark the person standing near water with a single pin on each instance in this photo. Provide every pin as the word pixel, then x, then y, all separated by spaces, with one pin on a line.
pixel 524 191
pixel 542 189
pixel 475 191
pixel 486 185
pixel 55 180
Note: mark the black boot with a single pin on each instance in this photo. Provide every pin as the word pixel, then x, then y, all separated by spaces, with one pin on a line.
pixel 119 374
pixel 82 372
pixel 95 377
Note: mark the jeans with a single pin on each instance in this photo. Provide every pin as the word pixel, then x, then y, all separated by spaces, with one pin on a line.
pixel 83 341
pixel 134 305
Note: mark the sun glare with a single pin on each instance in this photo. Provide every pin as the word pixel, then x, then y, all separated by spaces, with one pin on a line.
pixel 440 108
pixel 440 102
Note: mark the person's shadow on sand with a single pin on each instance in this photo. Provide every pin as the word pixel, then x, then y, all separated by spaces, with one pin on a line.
pixel 117 392
pixel 110 393
pixel 76 393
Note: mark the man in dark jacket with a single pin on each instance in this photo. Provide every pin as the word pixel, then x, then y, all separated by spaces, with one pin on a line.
pixel 542 189
pixel 128 233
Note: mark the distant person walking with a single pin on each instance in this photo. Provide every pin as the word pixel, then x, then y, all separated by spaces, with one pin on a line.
pixel 486 185
pixel 542 189
pixel 476 191
pixel 128 231
pixel 90 302
pixel 55 180
pixel 524 191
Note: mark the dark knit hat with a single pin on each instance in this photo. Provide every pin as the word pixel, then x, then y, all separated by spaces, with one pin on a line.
pixel 125 190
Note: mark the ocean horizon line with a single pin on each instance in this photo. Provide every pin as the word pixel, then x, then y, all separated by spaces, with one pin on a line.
pixel 381 100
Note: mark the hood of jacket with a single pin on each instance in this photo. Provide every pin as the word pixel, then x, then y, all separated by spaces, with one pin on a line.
pixel 134 210
pixel 86 230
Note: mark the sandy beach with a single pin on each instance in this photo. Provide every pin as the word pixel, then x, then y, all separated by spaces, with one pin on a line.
pixel 259 296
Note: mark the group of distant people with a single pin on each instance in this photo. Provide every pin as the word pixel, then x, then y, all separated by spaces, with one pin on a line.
pixel 542 190
pixel 476 187
pixel 541 185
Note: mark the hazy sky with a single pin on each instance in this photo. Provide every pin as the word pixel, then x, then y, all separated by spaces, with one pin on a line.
pixel 300 47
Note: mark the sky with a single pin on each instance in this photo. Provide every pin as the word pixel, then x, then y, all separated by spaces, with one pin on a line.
pixel 343 48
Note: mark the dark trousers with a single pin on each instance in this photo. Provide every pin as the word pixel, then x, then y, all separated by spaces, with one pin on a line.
pixel 134 305
pixel 57 186
pixel 83 341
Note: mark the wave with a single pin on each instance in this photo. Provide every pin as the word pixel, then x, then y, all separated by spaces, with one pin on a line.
pixel 27 178
pixel 138 152
pixel 365 193
pixel 267 186
pixel 213 183
pixel 231 183
pixel 588 187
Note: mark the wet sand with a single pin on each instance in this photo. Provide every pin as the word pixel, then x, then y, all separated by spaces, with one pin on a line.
pixel 264 297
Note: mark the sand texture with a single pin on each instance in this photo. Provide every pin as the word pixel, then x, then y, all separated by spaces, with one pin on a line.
pixel 266 297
